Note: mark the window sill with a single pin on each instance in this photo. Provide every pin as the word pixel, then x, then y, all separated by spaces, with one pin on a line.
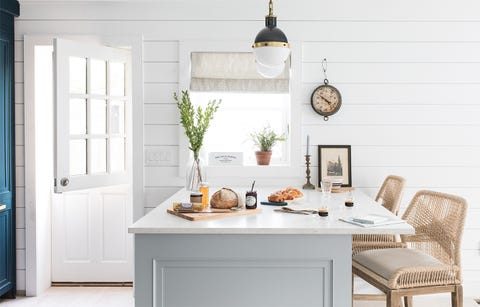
pixel 269 173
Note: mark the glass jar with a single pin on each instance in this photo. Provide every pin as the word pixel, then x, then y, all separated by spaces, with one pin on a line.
pixel 205 195
pixel 251 200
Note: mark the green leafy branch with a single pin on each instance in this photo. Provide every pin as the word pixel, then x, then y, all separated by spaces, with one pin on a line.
pixel 195 121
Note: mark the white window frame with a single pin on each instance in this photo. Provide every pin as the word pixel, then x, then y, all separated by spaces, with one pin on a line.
pixel 232 174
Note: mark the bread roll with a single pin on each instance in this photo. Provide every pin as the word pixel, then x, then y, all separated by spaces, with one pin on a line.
pixel 224 199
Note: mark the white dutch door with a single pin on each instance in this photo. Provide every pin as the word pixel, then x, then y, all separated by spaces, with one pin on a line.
pixel 93 207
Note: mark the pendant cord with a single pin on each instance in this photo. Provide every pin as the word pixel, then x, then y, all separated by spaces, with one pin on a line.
pixel 270 8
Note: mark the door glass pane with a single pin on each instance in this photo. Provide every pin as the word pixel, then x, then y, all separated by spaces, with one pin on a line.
pixel 117 117
pixel 78 157
pixel 117 79
pixel 98 77
pixel 117 154
pixel 98 116
pixel 78 75
pixel 78 116
pixel 98 148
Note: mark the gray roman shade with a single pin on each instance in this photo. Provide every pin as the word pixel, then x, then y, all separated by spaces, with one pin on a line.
pixel 233 72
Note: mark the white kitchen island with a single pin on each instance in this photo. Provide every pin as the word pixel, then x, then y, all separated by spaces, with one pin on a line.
pixel 267 259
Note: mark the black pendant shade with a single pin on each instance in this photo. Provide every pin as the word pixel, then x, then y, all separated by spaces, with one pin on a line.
pixel 271 47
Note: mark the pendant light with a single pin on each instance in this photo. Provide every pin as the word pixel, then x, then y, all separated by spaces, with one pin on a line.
pixel 271 47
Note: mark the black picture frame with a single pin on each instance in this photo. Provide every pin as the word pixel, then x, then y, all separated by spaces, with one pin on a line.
pixel 337 155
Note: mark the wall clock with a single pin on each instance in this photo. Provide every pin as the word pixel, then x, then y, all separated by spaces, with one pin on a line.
pixel 326 99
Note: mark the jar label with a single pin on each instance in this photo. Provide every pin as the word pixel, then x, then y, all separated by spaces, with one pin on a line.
pixel 250 201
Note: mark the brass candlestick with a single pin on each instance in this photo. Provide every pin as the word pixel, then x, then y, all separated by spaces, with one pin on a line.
pixel 308 185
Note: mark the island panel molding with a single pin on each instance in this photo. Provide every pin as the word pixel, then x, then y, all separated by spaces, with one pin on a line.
pixel 242 270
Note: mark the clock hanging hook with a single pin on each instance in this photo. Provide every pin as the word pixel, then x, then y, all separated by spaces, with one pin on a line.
pixel 324 68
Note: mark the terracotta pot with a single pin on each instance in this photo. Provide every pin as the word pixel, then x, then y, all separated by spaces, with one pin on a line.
pixel 263 157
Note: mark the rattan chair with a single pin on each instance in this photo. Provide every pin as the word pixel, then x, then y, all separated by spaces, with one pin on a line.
pixel 431 261
pixel 390 195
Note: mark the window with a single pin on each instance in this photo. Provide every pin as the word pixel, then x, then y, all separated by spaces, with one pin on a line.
pixel 249 103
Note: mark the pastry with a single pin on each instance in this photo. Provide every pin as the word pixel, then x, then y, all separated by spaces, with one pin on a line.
pixel 288 194
pixel 276 198
pixel 224 199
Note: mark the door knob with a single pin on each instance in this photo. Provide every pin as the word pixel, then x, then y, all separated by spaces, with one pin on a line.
pixel 64 182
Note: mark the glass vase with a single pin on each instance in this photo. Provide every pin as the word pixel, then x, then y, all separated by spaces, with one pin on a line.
pixel 195 175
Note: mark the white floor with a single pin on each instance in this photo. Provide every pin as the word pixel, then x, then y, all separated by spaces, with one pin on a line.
pixel 123 297
pixel 77 297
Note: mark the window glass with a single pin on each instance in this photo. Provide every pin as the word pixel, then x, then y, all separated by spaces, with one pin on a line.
pixel 241 114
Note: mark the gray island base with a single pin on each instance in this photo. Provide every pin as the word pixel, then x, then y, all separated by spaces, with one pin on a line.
pixel 270 259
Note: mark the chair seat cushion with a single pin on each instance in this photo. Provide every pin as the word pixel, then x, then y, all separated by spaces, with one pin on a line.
pixel 386 262
pixel 406 268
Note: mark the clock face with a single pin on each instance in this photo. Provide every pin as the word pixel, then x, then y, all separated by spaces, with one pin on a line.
pixel 326 100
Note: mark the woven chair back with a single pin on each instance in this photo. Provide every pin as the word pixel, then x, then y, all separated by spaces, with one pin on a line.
pixel 438 220
pixel 391 193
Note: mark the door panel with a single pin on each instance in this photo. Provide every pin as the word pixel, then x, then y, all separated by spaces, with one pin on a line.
pixel 115 245
pixel 6 270
pixel 90 239
pixel 77 234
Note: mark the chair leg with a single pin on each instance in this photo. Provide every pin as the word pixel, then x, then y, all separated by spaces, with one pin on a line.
pixel 407 301
pixel 393 299
pixel 353 277
pixel 457 296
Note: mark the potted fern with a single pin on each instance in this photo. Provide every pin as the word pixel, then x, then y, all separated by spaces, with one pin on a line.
pixel 265 139
pixel 195 121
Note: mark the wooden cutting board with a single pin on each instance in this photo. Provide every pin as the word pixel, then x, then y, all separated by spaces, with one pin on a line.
pixel 212 215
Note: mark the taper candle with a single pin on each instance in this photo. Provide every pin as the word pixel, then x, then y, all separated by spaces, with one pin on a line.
pixel 308 143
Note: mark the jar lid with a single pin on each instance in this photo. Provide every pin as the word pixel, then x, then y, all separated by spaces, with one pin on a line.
pixel 204 184
pixel 196 194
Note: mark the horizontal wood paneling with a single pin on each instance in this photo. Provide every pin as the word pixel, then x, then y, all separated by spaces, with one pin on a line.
pixel 160 92
pixel 408 77
pixel 19 93
pixel 158 51
pixel 159 176
pixel 407 156
pixel 251 9
pixel 355 72
pixel 400 135
pixel 397 52
pixel 160 72
pixel 412 95
pixel 161 135
pixel 398 115
pixel 18 51
pixel 19 155
pixel 20 197
pixel 161 114
pixel 155 196
pixel 300 30
pixel 471 240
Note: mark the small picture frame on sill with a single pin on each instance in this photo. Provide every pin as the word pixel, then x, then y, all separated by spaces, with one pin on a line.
pixel 335 163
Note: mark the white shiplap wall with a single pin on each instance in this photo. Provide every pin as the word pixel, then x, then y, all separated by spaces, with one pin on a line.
pixel 408 72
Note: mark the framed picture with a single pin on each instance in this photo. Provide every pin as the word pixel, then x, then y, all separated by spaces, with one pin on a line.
pixel 334 162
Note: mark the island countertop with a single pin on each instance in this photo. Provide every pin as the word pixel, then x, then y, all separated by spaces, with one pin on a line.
pixel 158 221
